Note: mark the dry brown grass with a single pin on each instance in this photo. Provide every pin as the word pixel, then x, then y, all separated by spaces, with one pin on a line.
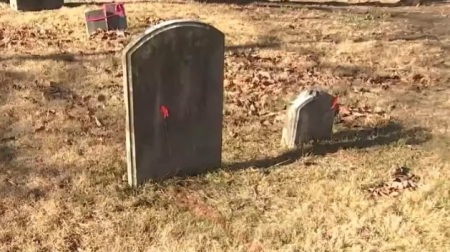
pixel 61 186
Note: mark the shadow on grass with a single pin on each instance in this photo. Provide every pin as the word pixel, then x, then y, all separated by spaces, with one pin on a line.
pixel 346 139
pixel 8 150
pixel 263 42
pixel 66 57
pixel 18 165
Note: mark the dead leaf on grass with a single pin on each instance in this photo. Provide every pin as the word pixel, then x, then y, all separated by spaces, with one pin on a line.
pixel 385 81
pixel 361 115
pixel 344 110
pixel 108 35
pixel 265 122
pixel 98 122
pixel 255 247
pixel 39 126
pixel 254 79
pixel 401 180
pixel 149 21
pixel 25 36
pixel 108 41
pixel 193 202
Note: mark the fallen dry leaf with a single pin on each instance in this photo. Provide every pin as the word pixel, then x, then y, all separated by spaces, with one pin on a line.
pixel 98 122
pixel 255 247
pixel 361 115
pixel 344 111
pixel 254 80
pixel 194 203
pixel 39 126
pixel 401 180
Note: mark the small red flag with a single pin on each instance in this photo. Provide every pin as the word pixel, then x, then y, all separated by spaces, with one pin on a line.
pixel 334 102
pixel 164 111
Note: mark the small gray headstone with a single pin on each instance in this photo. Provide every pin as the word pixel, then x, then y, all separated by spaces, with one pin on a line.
pixel 309 118
pixel 173 84
pixel 110 17
pixel 95 20
pixel 35 5
pixel 116 18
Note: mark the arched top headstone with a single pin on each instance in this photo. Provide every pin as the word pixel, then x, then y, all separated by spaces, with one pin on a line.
pixel 162 27
pixel 173 85
pixel 309 117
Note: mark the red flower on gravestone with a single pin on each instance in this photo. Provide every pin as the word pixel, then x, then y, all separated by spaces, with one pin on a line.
pixel 164 111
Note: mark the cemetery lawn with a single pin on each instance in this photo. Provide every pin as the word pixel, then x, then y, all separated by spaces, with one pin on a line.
pixel 62 135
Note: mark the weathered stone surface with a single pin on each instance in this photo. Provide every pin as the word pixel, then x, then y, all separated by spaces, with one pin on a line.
pixel 116 18
pixel 95 20
pixel 309 118
pixel 35 5
pixel 110 17
pixel 179 65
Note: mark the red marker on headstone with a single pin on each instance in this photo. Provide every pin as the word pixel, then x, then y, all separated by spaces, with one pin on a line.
pixel 164 111
pixel 334 102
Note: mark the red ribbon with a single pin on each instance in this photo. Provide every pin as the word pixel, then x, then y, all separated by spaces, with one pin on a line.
pixel 119 10
pixel 164 111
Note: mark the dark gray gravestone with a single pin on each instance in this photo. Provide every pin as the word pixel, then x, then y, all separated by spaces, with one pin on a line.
pixel 35 5
pixel 175 67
